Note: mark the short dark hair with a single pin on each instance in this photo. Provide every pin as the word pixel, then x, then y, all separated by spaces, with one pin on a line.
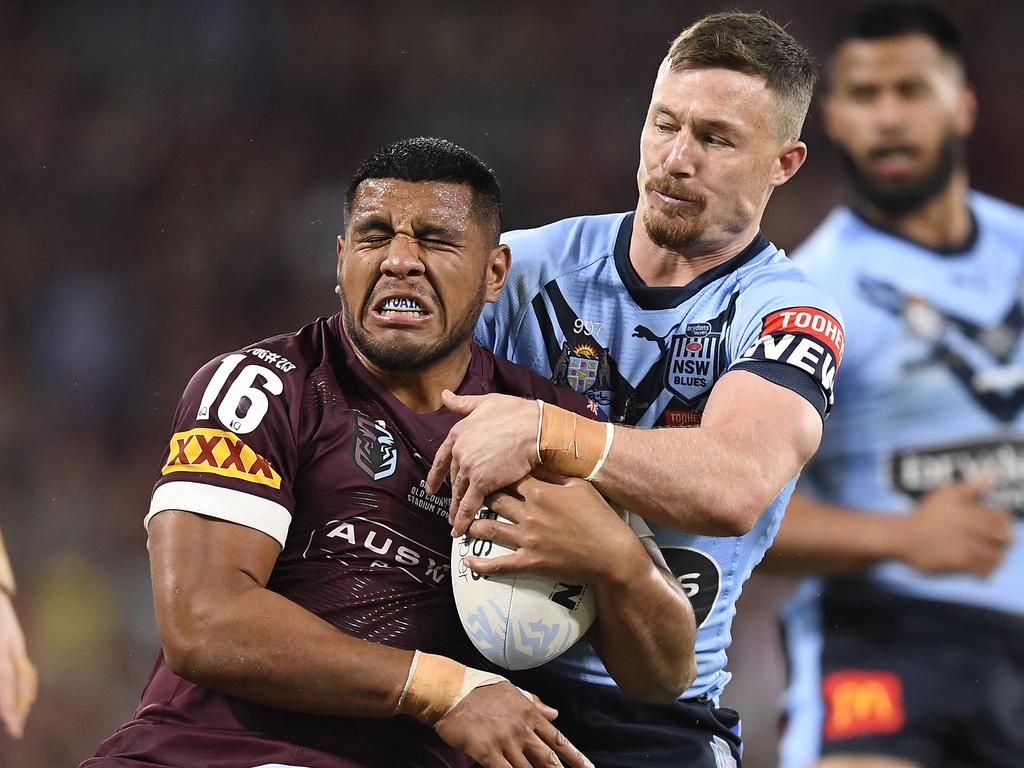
pixel 432 159
pixel 754 45
pixel 896 18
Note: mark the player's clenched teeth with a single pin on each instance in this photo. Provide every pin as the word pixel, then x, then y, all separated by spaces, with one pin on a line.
pixel 402 305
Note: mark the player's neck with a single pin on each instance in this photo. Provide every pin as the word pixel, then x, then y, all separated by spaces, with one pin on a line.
pixel 420 390
pixel 661 267
pixel 942 222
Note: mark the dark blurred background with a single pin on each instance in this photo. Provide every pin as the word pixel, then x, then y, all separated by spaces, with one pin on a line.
pixel 171 179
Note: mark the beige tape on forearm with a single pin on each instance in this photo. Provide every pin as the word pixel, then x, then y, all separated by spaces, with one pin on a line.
pixel 572 445
pixel 6 574
pixel 436 684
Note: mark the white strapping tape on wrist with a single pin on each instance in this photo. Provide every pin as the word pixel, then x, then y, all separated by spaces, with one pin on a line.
pixel 609 434
pixel 540 422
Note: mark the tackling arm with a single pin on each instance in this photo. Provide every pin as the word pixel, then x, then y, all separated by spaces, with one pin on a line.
pixel 716 480
pixel 222 628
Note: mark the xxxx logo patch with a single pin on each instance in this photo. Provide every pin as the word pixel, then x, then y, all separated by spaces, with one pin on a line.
pixel 219 453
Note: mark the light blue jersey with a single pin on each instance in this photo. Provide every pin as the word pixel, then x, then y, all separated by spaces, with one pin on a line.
pixel 933 381
pixel 575 310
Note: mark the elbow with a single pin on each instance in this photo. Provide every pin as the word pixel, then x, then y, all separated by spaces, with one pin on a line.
pixel 666 688
pixel 187 634
pixel 738 511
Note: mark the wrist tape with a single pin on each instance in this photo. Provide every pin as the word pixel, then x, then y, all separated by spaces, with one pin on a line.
pixel 572 445
pixel 436 684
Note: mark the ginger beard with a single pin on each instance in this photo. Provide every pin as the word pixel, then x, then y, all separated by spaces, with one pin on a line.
pixel 670 227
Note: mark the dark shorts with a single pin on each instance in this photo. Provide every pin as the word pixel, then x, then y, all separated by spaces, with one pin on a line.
pixel 616 731
pixel 937 683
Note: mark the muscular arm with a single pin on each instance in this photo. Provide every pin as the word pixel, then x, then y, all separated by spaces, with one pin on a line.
pixel 716 480
pixel 563 529
pixel 222 628
pixel 950 530
pixel 645 633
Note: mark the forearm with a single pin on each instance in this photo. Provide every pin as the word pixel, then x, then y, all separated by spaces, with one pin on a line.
pixel 824 538
pixel 694 480
pixel 258 645
pixel 645 631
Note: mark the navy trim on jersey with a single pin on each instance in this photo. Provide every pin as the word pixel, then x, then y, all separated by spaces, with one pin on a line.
pixel 789 377
pixel 961 249
pixel 666 297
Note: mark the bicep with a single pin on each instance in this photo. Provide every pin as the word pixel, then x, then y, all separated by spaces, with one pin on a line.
pixel 768 423
pixel 190 554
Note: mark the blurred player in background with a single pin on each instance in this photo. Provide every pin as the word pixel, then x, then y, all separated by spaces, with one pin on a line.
pixel 17 674
pixel 677 314
pixel 909 652
pixel 301 572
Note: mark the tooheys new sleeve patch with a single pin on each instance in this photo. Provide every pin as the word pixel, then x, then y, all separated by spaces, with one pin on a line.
pixel 807 338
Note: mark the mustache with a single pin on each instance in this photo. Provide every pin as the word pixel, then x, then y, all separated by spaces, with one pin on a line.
pixel 677 191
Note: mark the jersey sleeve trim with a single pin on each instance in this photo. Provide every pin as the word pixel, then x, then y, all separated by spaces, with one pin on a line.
pixel 264 515
pixel 791 378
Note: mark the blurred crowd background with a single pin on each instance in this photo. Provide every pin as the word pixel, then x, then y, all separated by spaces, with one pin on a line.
pixel 171 178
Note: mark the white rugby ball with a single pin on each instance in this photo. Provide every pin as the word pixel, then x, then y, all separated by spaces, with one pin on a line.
pixel 520 620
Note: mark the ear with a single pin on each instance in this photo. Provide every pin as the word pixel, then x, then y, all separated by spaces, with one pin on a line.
pixel 966 112
pixel 791 156
pixel 498 263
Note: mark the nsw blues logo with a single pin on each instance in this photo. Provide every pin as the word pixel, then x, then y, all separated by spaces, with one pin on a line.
pixel 373 447
pixel 690 368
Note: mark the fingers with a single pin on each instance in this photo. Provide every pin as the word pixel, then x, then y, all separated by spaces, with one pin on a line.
pixel 8 683
pixel 494 530
pixel 25 694
pixel 460 404
pixel 469 504
pixel 507 506
pixel 455 473
pixel 494 566
pixel 974 486
pixel 550 713
pixel 442 460
pixel 561 748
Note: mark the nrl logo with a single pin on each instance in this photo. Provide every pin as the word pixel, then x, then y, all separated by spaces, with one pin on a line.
pixel 373 447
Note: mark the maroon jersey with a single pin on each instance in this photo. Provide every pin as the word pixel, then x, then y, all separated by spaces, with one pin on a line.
pixel 293 437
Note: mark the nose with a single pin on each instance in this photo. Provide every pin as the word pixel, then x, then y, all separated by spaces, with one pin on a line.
pixel 403 258
pixel 890 111
pixel 681 161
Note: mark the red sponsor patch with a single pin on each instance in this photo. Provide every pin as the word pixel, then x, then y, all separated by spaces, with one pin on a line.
pixel 810 321
pixel 862 702
pixel 695 346
pixel 682 418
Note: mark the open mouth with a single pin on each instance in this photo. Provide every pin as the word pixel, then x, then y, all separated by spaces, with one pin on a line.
pixel 894 159
pixel 401 306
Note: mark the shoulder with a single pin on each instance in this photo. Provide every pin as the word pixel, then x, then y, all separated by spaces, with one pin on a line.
pixel 831 249
pixel 565 245
pixel 279 365
pixel 998 216
pixel 772 281
pixel 514 379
